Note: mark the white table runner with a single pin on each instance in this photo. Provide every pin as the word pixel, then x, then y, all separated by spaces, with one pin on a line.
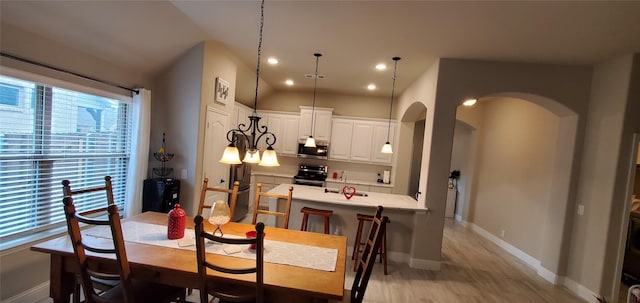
pixel 313 257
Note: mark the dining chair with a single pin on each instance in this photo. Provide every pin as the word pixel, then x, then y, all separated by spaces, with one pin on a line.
pixel 203 195
pixel 368 259
pixel 129 290
pixel 206 188
pixel 284 214
pixel 228 292
pixel 88 194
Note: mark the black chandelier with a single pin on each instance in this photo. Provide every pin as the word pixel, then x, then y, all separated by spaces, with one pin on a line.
pixel 386 148
pixel 252 133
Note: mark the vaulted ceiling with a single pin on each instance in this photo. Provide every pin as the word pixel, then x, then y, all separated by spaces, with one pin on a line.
pixel 353 36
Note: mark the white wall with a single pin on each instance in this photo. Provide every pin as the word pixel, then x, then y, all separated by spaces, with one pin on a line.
pixel 514 171
pixel 560 89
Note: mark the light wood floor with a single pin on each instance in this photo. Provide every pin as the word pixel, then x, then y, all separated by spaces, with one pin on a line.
pixel 473 270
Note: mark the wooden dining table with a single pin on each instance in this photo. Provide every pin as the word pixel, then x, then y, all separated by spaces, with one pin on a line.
pixel 176 266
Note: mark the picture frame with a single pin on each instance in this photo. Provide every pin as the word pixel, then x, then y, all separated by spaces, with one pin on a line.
pixel 222 90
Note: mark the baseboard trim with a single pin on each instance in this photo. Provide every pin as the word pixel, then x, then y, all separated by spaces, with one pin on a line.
pixel 424 264
pixel 580 290
pixel 35 294
pixel 531 261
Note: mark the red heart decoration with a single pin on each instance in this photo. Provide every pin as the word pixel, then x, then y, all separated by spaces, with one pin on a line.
pixel 348 191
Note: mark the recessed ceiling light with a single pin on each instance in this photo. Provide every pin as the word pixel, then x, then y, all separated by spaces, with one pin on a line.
pixel 272 61
pixel 381 66
pixel 470 102
pixel 288 82
pixel 371 86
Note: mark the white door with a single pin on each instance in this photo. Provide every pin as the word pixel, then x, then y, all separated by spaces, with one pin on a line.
pixel 215 141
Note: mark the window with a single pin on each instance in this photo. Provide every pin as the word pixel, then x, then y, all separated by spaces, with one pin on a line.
pixel 62 134
pixel 9 94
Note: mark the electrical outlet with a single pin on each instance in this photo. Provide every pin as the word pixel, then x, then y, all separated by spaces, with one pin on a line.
pixel 183 174
pixel 580 209
pixel 502 233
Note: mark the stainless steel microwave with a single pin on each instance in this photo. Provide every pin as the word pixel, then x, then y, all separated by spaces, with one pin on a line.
pixel 321 151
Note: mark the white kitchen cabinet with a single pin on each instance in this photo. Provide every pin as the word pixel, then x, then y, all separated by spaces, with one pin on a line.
pixel 285 128
pixel 240 114
pixel 289 133
pixel 361 141
pixel 321 123
pixel 379 139
pixel 340 145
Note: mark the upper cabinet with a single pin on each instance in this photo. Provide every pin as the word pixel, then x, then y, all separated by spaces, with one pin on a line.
pixel 379 139
pixel 240 114
pixel 285 127
pixel 341 133
pixel 321 123
pixel 360 140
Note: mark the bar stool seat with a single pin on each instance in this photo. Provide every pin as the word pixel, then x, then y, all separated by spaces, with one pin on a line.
pixel 306 211
pixel 358 242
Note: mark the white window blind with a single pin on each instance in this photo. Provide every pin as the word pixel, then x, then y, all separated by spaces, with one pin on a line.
pixel 49 134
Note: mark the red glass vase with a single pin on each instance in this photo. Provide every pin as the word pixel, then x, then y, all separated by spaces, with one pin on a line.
pixel 177 218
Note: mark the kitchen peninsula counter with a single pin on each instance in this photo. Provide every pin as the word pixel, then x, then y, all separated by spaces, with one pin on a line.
pixel 403 212
pixel 372 200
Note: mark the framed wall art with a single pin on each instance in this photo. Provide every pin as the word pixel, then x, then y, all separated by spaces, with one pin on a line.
pixel 222 90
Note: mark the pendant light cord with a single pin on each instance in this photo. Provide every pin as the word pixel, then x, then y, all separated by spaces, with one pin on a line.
pixel 255 99
pixel 315 85
pixel 393 91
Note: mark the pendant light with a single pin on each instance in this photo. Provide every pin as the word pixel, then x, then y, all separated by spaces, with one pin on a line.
pixel 311 142
pixel 253 132
pixel 386 148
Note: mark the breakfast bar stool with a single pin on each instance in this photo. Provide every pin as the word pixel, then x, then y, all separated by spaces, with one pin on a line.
pixel 326 214
pixel 357 243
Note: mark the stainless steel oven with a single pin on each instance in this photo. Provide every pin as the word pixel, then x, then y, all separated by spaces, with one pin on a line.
pixel 312 175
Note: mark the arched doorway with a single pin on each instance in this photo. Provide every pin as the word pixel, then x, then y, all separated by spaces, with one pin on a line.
pixel 520 179
pixel 411 134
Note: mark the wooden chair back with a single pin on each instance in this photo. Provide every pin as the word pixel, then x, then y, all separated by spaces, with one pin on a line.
pixel 366 262
pixel 126 291
pixel 88 194
pixel 87 273
pixel 256 205
pixel 229 294
pixel 107 188
pixel 232 199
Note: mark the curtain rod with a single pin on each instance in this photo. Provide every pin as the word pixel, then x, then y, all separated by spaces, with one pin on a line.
pixel 67 72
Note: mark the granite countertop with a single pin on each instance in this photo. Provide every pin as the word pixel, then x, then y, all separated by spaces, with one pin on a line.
pixel 318 194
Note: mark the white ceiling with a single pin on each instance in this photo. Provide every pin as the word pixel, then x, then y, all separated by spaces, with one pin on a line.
pixel 352 35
